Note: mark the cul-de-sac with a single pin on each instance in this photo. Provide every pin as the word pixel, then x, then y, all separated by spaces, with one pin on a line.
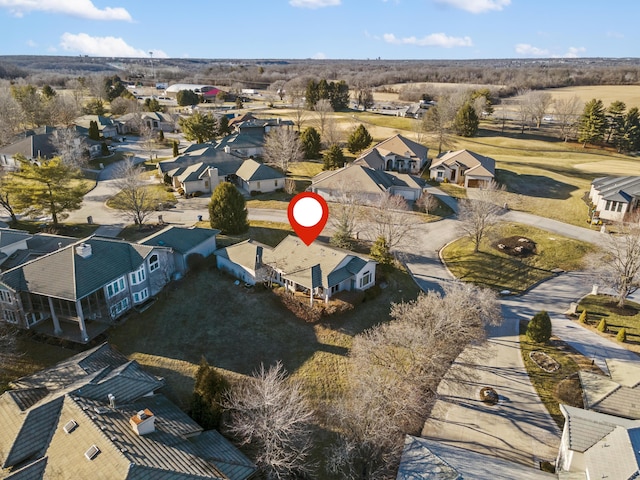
pixel 470 310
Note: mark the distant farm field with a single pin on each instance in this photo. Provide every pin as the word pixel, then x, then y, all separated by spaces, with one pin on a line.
pixel 629 94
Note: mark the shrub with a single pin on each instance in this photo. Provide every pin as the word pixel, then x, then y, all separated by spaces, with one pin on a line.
pixel 446 180
pixel 197 193
pixel 569 391
pixel 207 393
pixel 602 326
pixel 169 188
pixel 583 317
pixel 371 293
pixel 195 262
pixel 622 335
pixel 254 193
pixel 539 328
pixel 180 191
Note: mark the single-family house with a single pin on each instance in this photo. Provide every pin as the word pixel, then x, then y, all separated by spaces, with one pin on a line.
pixel 463 167
pixel 254 176
pixel 424 459
pixel 31 144
pixel 613 394
pixel 195 179
pixel 615 197
pixel 245 261
pixel 107 126
pixel 18 247
pixel 77 291
pixel 185 243
pixel 598 445
pixel 99 415
pixel 397 154
pixel 243 145
pixel 131 122
pixel 366 184
pixel 261 126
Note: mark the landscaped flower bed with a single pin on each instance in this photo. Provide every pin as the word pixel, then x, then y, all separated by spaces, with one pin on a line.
pixel 544 361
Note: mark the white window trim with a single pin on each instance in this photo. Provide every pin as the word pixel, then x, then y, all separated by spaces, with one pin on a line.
pixel 139 276
pixel 10 316
pixel 5 296
pixel 116 286
pixel 120 307
pixel 141 296
pixel 153 266
pixel 367 275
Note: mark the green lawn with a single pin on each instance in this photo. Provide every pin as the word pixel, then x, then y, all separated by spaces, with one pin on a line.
pixel 492 268
pixel 272 200
pixel 158 191
pixel 604 306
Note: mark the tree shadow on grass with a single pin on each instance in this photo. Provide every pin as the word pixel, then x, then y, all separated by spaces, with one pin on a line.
pixel 535 185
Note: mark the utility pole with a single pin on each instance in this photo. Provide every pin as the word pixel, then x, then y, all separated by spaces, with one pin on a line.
pixel 153 74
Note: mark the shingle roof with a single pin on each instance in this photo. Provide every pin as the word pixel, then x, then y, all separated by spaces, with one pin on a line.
pixel 476 164
pixel 295 259
pixel 400 145
pixel 616 455
pixel 65 274
pixel 9 236
pixel 237 141
pixel 180 239
pixel 586 428
pixel 33 146
pixel 602 394
pixel 364 180
pixel 32 471
pixel 203 153
pixel 620 189
pixel 244 253
pixel 213 447
pixel 250 170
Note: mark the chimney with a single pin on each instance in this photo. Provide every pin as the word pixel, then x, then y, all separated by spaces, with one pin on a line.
pixel 227 149
pixel 258 257
pixel 84 250
pixel 112 400
pixel 143 422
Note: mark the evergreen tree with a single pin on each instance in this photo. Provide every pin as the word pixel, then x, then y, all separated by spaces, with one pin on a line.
pixel 152 105
pixel 615 117
pixel 310 142
pixel 160 136
pixel 381 252
pixel 207 395
pixel 187 97
pixel 199 127
pixel 239 104
pixel 539 328
pixel 466 122
pixel 223 126
pixel 333 158
pixel 175 148
pixel 94 133
pixel 622 335
pixel 592 123
pixel 359 139
pixel 627 138
pixel 48 93
pixel 228 210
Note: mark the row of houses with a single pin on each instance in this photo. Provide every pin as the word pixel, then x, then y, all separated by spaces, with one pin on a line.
pixel 601 440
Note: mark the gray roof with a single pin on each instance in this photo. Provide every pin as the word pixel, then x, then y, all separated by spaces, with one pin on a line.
pixel 617 455
pixel 585 428
pixel 33 434
pixel 619 189
pixel 602 394
pixel 32 146
pixel 244 253
pixel 203 153
pixel 251 170
pixel 474 163
pixel 238 141
pixel 180 239
pixel 364 180
pixel 424 459
pixel 65 274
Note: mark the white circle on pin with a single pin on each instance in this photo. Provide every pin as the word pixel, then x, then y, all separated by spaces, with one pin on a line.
pixel 307 212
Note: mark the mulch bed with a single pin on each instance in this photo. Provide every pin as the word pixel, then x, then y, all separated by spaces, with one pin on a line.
pixel 516 246
pixel 544 361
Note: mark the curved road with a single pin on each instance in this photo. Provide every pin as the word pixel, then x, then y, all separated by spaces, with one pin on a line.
pixel 519 428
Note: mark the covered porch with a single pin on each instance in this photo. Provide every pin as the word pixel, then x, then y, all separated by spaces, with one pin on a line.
pixel 70 330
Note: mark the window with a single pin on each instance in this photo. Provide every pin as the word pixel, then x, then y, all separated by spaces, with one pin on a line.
pixel 5 296
pixel 120 307
pixel 365 280
pixel 275 183
pixel 138 276
pixel 439 174
pixel 257 185
pixel 608 205
pixel 619 206
pixel 140 296
pixel 9 316
pixel 115 287
pixel 335 288
pixel 154 262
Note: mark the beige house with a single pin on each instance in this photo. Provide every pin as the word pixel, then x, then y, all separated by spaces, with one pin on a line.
pixel 397 154
pixel 245 261
pixel 463 167
pixel 254 176
pixel 366 184
pixel 615 197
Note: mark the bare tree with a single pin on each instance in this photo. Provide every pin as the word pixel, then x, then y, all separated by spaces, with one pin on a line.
pixel 70 147
pixel 323 111
pixel 134 198
pixel 11 115
pixel 620 268
pixel 148 136
pixel 566 114
pixel 281 148
pixel 427 202
pixel 394 372
pixel 345 216
pixel 538 103
pixel 269 414
pixel 389 218
pixel 8 344
pixel 295 92
pixel 477 215
pixel 6 196
pixel 523 111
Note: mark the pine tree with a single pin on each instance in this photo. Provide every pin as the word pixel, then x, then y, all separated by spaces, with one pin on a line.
pixel 380 252
pixel 228 210
pixel 583 317
pixel 175 149
pixel 311 143
pixel 593 123
pixel 602 326
pixel 94 133
pixel 333 158
pixel 359 139
pixel 622 335
pixel 466 122
pixel 207 395
pixel 539 328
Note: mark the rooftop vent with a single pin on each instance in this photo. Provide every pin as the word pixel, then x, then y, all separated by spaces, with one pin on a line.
pixel 83 250
pixel 70 426
pixel 143 422
pixel 92 452
pixel 112 400
pixel 100 410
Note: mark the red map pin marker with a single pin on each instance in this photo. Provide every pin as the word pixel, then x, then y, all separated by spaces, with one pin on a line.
pixel 308 213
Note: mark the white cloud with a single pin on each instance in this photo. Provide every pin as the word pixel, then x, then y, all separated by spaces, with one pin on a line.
pixel 31 43
pixel 531 51
pixel 319 56
pixel 103 46
pixel 77 8
pixel 573 52
pixel 615 35
pixel 433 40
pixel 477 6
pixel 313 4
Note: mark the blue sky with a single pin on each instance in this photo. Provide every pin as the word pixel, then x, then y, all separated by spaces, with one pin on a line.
pixel 332 29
